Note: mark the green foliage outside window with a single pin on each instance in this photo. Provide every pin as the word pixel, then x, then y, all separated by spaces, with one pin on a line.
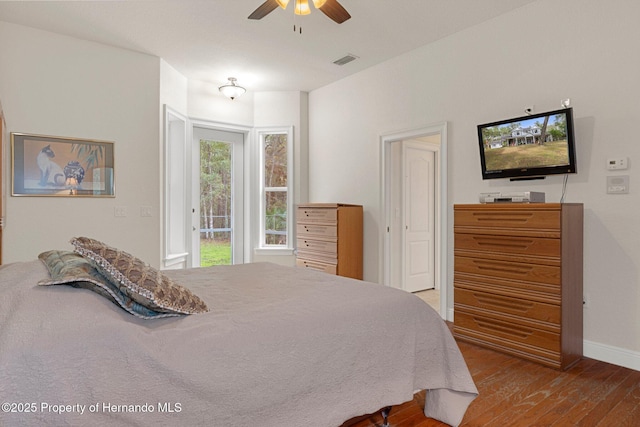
pixel 275 184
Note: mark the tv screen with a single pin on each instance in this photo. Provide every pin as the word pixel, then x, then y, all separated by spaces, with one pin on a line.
pixel 530 146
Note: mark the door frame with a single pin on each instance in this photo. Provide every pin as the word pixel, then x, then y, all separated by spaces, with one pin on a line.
pixel 441 204
pixel 193 195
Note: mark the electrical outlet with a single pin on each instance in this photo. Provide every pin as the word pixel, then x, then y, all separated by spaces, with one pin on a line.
pixel 120 211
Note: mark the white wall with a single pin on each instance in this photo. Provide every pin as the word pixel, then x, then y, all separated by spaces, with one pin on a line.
pixel 537 55
pixel 56 85
pixel 174 88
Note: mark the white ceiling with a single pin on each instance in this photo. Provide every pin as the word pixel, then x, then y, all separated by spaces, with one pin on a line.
pixel 212 40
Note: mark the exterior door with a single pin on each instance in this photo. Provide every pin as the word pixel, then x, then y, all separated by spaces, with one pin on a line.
pixel 217 211
pixel 418 203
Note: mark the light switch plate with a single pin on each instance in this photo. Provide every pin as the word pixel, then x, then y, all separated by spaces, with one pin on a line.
pixel 618 184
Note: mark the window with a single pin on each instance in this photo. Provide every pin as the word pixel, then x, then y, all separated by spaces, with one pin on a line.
pixel 276 204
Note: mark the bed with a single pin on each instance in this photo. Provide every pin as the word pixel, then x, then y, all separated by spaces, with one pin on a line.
pixel 277 346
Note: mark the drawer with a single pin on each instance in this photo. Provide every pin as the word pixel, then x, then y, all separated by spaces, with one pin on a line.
pixel 541 292
pixel 316 265
pixel 318 230
pixel 328 246
pixel 326 257
pixel 508 269
pixel 506 304
pixel 536 219
pixel 502 330
pixel 548 358
pixel 317 215
pixel 520 245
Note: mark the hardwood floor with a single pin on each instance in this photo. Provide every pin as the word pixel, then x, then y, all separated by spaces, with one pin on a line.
pixel 514 392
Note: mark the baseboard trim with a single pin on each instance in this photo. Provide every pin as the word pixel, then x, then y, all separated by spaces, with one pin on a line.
pixel 449 315
pixel 614 355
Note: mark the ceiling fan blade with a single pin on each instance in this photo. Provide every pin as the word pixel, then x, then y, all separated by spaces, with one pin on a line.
pixel 264 9
pixel 335 11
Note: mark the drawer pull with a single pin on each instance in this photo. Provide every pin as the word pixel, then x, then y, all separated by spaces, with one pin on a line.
pixel 503 303
pixel 503 267
pixel 504 328
pixel 503 243
pixel 513 217
pixel 308 264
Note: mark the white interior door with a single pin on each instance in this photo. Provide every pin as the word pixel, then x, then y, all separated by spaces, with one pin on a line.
pixel 418 203
pixel 232 223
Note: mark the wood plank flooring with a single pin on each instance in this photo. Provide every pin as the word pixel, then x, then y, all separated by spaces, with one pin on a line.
pixel 514 392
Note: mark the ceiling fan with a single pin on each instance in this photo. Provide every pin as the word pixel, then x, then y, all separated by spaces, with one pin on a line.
pixel 331 8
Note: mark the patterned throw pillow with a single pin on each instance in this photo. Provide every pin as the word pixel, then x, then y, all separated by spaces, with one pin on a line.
pixel 69 268
pixel 138 280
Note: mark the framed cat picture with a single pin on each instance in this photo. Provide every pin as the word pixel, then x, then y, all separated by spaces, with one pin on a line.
pixel 44 165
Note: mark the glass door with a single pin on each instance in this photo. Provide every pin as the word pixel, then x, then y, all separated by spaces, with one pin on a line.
pixel 218 218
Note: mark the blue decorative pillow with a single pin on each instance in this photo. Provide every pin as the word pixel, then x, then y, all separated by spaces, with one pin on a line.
pixel 69 268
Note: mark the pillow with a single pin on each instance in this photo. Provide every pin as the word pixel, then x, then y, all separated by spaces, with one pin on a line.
pixel 69 268
pixel 138 280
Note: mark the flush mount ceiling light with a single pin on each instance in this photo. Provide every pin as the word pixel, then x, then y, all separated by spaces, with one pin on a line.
pixel 231 89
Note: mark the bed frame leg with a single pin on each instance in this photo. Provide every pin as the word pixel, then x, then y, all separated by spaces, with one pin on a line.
pixel 385 416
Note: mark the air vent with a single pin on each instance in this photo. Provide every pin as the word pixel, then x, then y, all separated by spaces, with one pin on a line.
pixel 345 59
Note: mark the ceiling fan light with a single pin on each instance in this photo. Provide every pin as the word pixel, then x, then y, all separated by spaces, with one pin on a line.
pixel 302 7
pixel 319 3
pixel 282 3
pixel 232 90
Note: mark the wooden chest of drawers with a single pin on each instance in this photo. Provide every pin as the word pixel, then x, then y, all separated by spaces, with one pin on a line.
pixel 329 238
pixel 518 279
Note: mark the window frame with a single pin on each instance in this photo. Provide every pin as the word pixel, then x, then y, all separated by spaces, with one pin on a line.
pixel 261 248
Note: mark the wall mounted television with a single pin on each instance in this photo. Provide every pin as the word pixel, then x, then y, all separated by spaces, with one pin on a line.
pixel 528 147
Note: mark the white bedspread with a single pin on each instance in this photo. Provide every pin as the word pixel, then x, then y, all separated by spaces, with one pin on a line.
pixel 280 347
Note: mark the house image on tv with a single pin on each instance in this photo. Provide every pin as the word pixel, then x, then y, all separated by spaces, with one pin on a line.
pixel 519 136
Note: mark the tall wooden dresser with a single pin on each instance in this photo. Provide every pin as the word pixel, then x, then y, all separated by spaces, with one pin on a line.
pixel 329 238
pixel 518 279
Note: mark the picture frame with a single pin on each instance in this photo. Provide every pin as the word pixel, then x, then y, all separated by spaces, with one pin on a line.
pixel 43 165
